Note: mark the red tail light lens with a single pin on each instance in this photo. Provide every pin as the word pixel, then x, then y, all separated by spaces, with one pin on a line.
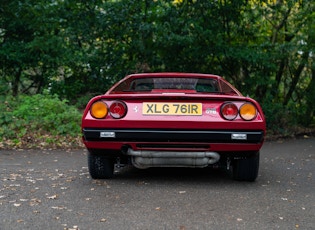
pixel 229 111
pixel 118 109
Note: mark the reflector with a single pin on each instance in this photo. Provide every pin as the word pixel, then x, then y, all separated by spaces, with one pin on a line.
pixel 239 136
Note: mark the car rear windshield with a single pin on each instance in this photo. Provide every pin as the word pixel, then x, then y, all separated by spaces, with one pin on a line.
pixel 205 85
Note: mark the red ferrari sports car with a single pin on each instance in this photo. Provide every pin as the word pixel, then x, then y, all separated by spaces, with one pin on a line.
pixel 173 120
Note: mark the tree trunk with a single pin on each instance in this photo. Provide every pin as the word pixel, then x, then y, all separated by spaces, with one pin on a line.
pixel 296 78
pixel 310 98
pixel 16 82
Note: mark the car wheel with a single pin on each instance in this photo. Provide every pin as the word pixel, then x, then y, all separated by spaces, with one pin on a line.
pixel 100 167
pixel 246 169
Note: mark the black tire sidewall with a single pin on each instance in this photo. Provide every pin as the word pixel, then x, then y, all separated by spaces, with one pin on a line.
pixel 100 167
pixel 246 169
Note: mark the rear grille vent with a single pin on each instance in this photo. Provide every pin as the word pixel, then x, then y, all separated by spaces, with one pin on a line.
pixel 174 146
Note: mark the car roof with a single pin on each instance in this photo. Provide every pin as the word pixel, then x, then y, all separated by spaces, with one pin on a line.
pixel 172 74
pixel 131 77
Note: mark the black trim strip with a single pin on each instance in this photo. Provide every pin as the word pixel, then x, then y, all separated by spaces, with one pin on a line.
pixel 144 135
pixel 177 146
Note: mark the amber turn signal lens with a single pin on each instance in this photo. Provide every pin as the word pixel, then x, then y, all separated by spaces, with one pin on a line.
pixel 99 110
pixel 229 111
pixel 248 111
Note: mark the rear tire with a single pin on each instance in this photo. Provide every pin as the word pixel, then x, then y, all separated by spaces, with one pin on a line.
pixel 246 169
pixel 100 167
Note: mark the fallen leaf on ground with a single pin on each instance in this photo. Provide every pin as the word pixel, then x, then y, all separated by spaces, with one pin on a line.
pixel 52 197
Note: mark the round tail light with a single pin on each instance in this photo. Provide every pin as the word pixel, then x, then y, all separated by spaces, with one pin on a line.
pixel 229 111
pixel 248 111
pixel 118 109
pixel 99 110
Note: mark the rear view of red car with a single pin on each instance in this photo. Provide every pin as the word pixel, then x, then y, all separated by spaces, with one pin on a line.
pixel 173 120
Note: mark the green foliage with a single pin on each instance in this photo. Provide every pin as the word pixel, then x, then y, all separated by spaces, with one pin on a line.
pixel 76 48
pixel 28 118
pixel 278 117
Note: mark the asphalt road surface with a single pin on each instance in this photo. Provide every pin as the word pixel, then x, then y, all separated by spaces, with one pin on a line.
pixel 49 189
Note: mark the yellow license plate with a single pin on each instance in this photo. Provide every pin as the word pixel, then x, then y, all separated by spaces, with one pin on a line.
pixel 157 108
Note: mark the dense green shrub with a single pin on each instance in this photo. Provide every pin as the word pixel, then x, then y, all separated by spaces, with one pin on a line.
pixel 37 120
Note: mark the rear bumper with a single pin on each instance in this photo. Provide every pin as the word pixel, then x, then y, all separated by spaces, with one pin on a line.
pixel 178 140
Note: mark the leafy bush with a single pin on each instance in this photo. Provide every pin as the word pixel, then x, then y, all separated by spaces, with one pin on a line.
pixel 38 120
pixel 277 121
pixel 284 121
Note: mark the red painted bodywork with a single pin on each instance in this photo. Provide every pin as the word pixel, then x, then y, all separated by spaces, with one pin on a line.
pixel 210 119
